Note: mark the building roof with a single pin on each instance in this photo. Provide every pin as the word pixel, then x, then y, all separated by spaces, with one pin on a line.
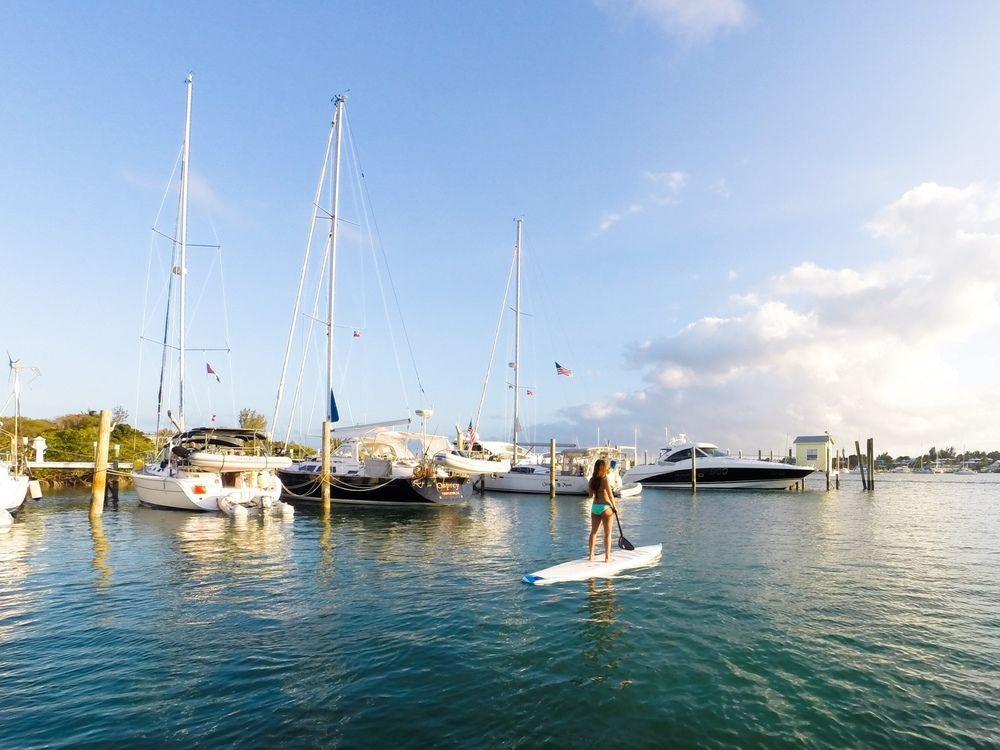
pixel 812 439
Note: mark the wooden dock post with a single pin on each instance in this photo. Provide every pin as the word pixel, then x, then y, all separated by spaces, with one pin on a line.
pixel 760 455
pixel 552 467
pixel 326 479
pixel 101 465
pixel 861 464
pixel 645 457
pixel 694 467
pixel 871 463
pixel 771 456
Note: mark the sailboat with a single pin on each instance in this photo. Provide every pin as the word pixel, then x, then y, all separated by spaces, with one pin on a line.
pixel 205 468
pixel 528 473
pixel 374 464
pixel 14 481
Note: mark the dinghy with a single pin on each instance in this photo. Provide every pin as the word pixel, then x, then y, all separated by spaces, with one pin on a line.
pixel 468 466
pixel 236 461
pixel 581 570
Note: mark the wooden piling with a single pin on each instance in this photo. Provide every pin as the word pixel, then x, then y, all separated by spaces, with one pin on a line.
pixel 760 455
pixel 326 479
pixel 694 467
pixel 101 465
pixel 645 457
pixel 861 464
pixel 552 467
pixel 770 456
pixel 871 463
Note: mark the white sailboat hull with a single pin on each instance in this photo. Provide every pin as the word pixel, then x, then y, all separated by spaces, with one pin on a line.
pixel 200 492
pixel 13 490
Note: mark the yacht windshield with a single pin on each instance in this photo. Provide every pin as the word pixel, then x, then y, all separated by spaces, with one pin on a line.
pixel 711 452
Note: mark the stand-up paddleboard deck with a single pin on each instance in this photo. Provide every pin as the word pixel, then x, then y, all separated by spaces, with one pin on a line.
pixel 581 570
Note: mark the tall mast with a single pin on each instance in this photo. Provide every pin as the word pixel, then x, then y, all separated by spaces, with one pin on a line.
pixel 517 335
pixel 182 268
pixel 302 280
pixel 340 99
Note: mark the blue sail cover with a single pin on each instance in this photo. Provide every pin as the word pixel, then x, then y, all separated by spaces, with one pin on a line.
pixel 334 414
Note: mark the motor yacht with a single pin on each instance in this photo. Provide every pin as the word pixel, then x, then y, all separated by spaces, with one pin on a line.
pixel 714 469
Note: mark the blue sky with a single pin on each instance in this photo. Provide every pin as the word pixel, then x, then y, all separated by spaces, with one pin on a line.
pixel 695 177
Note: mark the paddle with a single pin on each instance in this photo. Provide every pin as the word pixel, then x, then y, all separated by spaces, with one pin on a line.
pixel 622 541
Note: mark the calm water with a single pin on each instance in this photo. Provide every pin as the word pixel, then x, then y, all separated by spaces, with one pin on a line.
pixel 774 620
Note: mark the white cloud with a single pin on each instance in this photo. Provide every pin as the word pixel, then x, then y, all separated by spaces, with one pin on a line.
pixel 666 186
pixel 692 19
pixel 899 347
pixel 612 218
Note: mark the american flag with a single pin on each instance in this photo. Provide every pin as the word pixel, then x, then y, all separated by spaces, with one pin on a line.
pixel 531 393
pixel 357 334
pixel 560 370
pixel 471 432
pixel 210 371
pixel 213 419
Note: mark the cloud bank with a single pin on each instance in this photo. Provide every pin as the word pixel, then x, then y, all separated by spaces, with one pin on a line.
pixel 898 348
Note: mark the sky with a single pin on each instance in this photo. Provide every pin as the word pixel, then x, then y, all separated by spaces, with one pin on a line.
pixel 743 220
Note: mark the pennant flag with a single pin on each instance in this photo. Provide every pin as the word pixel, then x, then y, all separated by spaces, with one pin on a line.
pixel 210 371
pixel 334 414
pixel 560 370
pixel 531 393
pixel 357 334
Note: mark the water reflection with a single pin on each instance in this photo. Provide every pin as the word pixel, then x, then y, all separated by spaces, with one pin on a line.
pixel 17 599
pixel 600 629
pixel 101 550
pixel 211 551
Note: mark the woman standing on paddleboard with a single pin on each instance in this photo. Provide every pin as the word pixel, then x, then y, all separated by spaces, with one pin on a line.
pixel 603 507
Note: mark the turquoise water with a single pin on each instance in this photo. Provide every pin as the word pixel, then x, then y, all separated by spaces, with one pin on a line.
pixel 775 620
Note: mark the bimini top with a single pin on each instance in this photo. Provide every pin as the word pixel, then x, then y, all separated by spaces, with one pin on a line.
pixel 230 437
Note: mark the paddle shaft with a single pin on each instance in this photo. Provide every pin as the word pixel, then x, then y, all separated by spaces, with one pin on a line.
pixel 622 541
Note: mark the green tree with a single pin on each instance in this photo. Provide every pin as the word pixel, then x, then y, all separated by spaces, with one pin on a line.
pixel 251 419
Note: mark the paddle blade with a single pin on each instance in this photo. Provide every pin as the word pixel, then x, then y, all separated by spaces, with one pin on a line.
pixel 625 544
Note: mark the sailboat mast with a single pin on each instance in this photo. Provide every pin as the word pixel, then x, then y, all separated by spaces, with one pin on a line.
pixel 182 267
pixel 334 221
pixel 517 336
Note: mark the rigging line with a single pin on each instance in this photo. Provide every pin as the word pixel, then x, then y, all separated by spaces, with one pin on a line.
pixel 144 320
pixel 378 234
pixel 556 320
pixel 493 349
pixel 308 344
pixel 225 321
pixel 170 297
pixel 359 175
pixel 302 281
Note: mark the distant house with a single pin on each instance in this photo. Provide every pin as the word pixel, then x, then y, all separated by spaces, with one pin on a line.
pixel 815 450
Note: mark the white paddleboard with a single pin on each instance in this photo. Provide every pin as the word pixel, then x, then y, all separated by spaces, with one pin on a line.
pixel 581 570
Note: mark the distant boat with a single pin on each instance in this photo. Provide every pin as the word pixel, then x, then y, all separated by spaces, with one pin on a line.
pixel 205 469
pixel 715 470
pixel 14 480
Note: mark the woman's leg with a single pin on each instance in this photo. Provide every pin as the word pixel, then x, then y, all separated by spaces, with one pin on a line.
pixel 606 519
pixel 595 522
